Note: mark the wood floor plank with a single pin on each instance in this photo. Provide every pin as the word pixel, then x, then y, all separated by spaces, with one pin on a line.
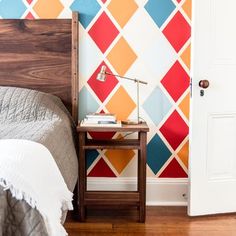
pixel 160 221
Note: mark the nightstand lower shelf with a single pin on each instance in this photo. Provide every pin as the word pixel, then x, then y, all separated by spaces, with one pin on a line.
pixel 99 198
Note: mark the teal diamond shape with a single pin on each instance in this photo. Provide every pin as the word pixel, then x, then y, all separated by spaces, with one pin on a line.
pixel 157 154
pixel 87 103
pixel 87 9
pixel 157 105
pixel 159 10
pixel 91 156
pixel 12 9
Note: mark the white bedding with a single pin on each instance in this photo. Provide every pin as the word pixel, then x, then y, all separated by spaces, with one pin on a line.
pixel 28 169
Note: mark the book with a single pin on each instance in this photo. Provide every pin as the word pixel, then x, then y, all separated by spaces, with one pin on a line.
pixel 99 121
pixel 101 124
pixel 101 116
pixel 95 118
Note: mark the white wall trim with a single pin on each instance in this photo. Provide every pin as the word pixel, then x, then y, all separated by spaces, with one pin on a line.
pixel 160 192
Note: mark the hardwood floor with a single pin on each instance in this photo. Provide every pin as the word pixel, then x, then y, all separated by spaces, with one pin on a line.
pixel 161 221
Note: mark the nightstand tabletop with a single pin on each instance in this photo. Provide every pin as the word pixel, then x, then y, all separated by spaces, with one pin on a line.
pixel 124 128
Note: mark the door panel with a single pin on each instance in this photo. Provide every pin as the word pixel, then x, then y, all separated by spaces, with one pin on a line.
pixel 221 148
pixel 212 169
pixel 222 16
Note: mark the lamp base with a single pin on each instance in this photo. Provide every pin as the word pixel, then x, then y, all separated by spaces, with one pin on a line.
pixel 131 122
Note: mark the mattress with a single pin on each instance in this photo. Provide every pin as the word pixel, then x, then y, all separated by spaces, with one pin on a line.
pixel 40 117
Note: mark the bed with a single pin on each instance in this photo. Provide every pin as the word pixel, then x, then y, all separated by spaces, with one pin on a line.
pixel 38 102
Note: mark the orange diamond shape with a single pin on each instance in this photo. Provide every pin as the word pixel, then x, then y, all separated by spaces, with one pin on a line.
pixel 186 56
pixel 121 104
pixel 121 56
pixel 122 11
pixel 187 6
pixel 119 158
pixel 185 105
pixel 184 153
pixel 48 9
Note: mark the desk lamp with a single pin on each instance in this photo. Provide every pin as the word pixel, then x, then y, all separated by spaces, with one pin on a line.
pixel 102 77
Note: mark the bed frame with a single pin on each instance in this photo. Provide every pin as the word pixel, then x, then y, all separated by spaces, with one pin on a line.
pixel 41 54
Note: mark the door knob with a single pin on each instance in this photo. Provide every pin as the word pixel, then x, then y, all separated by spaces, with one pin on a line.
pixel 204 84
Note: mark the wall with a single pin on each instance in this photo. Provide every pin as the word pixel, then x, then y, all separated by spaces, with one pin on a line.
pixel 147 39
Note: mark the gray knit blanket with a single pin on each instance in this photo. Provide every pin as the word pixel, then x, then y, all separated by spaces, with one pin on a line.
pixel 40 117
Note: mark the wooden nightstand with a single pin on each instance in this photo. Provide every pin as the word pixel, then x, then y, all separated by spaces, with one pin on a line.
pixel 112 198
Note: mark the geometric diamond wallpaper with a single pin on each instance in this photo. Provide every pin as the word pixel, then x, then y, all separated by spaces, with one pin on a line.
pixel 145 39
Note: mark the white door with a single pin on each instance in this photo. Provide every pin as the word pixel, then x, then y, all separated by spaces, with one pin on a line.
pixel 213 114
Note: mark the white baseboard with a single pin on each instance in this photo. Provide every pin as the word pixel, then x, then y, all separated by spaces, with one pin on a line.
pixel 160 192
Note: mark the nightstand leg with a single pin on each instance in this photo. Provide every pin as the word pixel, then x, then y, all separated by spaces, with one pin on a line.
pixel 82 176
pixel 142 175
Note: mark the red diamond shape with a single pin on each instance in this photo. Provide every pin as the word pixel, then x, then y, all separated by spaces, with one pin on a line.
pixel 103 32
pixel 104 1
pixel 178 1
pixel 102 135
pixel 102 89
pixel 29 16
pixel 176 81
pixel 177 31
pixel 174 130
pixel 29 1
pixel 101 169
pixel 173 170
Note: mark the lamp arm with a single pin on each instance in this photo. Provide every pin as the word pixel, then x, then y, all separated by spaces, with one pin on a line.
pixel 135 80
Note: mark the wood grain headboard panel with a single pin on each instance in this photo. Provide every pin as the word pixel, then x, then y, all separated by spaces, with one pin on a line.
pixel 41 54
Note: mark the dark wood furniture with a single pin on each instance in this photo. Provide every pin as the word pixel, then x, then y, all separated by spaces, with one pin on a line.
pixel 107 198
pixel 41 54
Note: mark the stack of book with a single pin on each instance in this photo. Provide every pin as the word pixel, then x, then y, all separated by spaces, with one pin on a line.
pixel 100 120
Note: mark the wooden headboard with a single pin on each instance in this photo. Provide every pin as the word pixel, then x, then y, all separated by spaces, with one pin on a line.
pixel 41 54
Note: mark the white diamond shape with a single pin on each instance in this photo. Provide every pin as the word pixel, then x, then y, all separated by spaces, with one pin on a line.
pixel 140 31
pixel 140 71
pixel 159 56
